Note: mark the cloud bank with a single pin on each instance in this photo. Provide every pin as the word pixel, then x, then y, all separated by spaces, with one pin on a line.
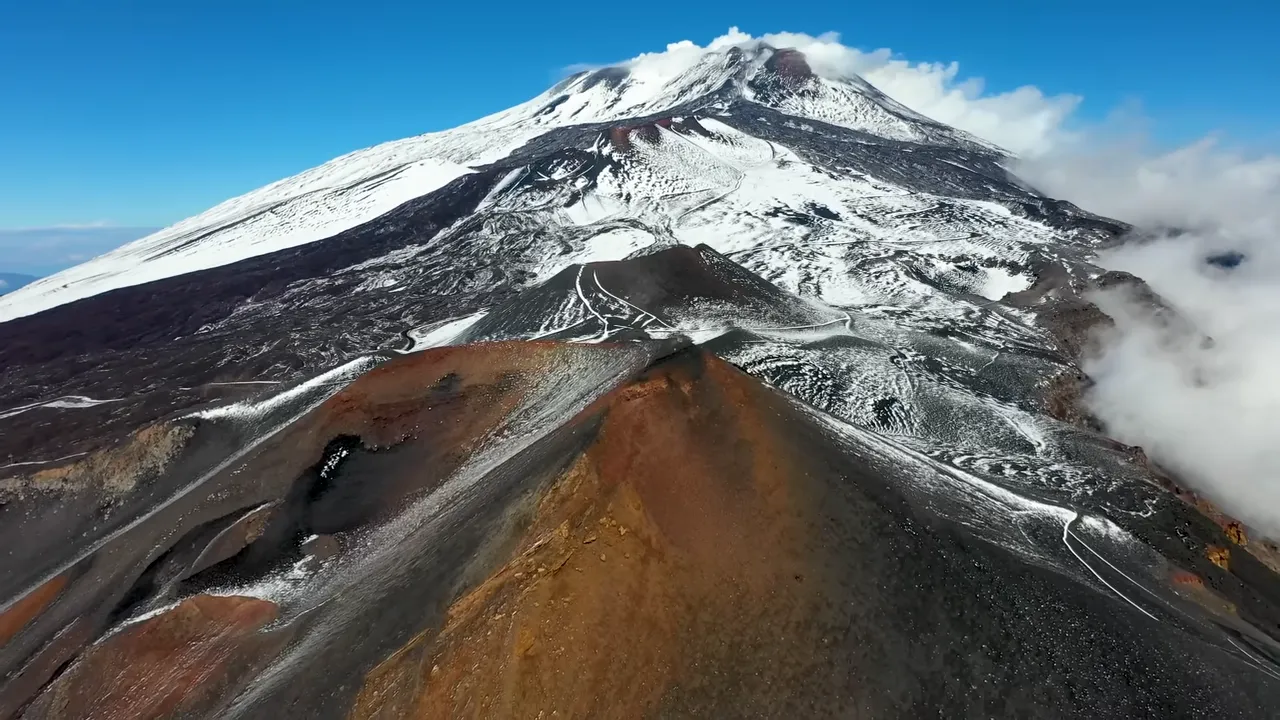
pixel 1208 411
pixel 1208 242
pixel 1211 412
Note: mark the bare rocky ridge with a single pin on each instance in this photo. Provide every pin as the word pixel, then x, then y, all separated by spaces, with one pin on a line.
pixel 760 397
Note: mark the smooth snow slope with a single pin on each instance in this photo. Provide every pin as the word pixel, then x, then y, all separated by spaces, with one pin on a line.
pixel 362 185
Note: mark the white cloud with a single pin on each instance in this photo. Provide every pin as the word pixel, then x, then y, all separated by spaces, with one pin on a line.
pixel 1024 121
pixel 1200 185
pixel 1208 412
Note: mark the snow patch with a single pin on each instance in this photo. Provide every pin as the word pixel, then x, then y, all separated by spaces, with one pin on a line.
pixel 64 402
pixel 1000 282
pixel 440 334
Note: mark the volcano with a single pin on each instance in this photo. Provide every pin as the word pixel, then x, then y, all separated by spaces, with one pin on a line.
pixel 709 384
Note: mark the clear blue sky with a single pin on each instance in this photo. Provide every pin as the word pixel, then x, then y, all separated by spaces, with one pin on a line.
pixel 143 112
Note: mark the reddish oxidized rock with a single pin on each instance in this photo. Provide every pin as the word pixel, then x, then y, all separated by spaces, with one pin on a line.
pixel 1219 556
pixel 28 607
pixel 185 660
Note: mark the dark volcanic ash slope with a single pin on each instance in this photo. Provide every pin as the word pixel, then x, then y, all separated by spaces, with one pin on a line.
pixel 501 529
pixel 759 402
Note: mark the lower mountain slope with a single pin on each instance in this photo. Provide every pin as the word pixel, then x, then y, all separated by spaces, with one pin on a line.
pixel 635 529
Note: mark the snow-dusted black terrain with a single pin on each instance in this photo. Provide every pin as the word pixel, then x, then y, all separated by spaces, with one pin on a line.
pixel 885 271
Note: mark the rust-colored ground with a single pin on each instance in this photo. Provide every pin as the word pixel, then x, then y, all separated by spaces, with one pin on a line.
pixel 445 401
pixel 27 608
pixel 669 569
pixel 475 386
pixel 164 666
pixel 1193 588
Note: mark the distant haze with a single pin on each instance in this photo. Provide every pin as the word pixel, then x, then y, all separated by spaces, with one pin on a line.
pixel 46 250
pixel 12 281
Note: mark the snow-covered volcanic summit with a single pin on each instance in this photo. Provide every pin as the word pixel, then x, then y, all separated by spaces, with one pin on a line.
pixel 818 351
pixel 362 185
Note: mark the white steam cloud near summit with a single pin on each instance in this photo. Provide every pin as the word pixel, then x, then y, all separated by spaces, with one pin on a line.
pixel 1024 121
pixel 1209 412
